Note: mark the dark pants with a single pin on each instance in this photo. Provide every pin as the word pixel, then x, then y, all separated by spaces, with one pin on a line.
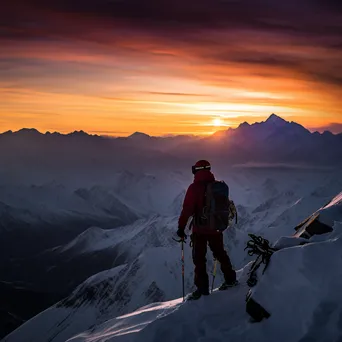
pixel 199 252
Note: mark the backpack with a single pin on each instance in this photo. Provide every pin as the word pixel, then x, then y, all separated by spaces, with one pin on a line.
pixel 218 209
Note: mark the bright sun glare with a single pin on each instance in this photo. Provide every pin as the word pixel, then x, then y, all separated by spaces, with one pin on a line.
pixel 217 122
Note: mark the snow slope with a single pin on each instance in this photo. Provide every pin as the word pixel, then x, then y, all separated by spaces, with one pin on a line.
pixel 302 287
pixel 130 239
pixel 306 278
pixel 154 276
pixel 177 321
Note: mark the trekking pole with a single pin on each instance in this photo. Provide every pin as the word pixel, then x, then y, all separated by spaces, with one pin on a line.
pixel 182 259
pixel 214 275
pixel 183 268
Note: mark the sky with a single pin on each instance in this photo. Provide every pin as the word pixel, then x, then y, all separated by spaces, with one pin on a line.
pixel 169 67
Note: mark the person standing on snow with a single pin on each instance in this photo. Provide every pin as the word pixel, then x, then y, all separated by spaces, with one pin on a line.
pixel 202 235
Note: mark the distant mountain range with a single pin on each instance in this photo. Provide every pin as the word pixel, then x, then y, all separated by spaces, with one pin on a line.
pixel 272 141
pixel 273 119
pixel 278 141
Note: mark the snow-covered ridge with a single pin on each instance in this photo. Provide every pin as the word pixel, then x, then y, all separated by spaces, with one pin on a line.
pixel 127 196
pixel 301 289
pixel 87 241
pixel 153 275
pixel 271 204
pixel 50 201
pixel 307 278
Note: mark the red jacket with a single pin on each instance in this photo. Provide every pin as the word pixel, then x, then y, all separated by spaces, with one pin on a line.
pixel 194 201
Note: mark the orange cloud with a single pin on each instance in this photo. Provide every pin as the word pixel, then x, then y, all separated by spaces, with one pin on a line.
pixel 86 71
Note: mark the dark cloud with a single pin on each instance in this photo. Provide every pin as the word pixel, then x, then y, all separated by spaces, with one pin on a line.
pixel 334 78
pixel 269 59
pixel 189 22
pixel 317 17
pixel 216 31
pixel 313 67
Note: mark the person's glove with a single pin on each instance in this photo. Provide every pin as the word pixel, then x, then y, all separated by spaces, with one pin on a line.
pixel 181 233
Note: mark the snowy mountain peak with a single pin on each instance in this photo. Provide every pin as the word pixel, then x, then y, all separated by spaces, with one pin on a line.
pixel 79 133
pixel 244 124
pixel 87 241
pixel 29 131
pixel 276 120
pixel 139 135
pixel 273 120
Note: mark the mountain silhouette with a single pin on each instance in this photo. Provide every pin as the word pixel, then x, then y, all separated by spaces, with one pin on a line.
pixel 274 140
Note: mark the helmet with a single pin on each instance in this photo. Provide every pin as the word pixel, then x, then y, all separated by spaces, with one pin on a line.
pixel 201 165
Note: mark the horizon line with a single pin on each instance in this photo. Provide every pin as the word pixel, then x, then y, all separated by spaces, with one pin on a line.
pixel 117 134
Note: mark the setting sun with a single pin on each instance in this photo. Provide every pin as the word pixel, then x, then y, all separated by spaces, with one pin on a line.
pixel 217 122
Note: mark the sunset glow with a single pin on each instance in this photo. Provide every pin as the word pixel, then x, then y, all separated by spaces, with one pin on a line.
pixel 217 122
pixel 105 70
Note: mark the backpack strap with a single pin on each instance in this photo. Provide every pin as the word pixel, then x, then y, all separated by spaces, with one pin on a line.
pixel 200 214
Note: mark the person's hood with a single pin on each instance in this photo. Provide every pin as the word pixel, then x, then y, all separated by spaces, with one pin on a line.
pixel 204 176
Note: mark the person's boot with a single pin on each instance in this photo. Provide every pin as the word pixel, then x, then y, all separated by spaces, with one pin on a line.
pixel 197 294
pixel 227 285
